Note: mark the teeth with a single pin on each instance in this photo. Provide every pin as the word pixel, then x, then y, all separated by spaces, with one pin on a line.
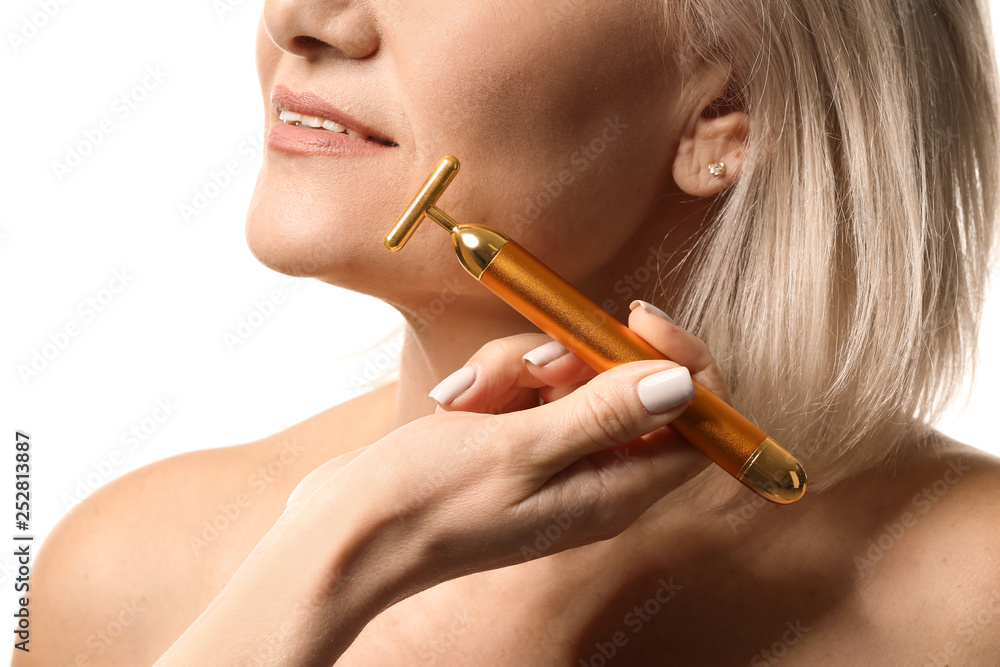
pixel 292 118
pixel 332 126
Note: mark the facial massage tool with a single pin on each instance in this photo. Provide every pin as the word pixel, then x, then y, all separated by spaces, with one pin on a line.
pixel 602 342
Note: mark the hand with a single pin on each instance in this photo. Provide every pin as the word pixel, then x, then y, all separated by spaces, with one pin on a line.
pixel 467 488
pixel 457 492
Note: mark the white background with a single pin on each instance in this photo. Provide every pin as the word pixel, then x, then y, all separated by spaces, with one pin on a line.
pixel 190 282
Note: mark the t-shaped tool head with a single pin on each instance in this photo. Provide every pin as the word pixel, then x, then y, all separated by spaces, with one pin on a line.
pixel 475 245
pixel 424 204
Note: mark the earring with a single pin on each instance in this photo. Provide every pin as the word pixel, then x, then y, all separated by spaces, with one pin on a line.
pixel 717 169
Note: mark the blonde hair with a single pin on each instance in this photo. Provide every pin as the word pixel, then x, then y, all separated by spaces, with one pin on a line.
pixel 841 280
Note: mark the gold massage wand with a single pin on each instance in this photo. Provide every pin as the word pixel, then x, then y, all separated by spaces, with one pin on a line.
pixel 602 342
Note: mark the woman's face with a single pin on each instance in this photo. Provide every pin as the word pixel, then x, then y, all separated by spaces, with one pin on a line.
pixel 565 115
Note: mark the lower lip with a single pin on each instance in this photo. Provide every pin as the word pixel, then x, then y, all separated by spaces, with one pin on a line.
pixel 300 140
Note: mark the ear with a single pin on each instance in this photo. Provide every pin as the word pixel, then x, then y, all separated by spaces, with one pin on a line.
pixel 708 139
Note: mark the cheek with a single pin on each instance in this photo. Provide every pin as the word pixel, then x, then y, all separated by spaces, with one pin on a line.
pixel 266 58
pixel 564 141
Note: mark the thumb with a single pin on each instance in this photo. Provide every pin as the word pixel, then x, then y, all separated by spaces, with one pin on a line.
pixel 615 407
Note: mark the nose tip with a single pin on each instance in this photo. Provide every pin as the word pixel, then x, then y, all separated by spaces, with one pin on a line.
pixel 313 29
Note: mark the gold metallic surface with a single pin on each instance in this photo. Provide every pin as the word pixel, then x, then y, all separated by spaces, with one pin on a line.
pixel 562 311
pixel 442 218
pixel 601 341
pixel 774 474
pixel 476 246
pixel 427 197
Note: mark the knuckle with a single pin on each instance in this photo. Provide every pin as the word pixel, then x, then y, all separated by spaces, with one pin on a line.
pixel 486 437
pixel 603 416
pixel 601 517
pixel 508 349
pixel 508 346
pixel 590 501
pixel 592 497
pixel 712 377
pixel 701 351
pixel 497 349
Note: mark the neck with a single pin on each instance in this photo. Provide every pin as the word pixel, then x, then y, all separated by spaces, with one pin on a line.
pixel 432 351
pixel 443 333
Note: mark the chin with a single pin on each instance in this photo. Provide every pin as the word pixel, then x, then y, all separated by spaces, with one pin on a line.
pixel 299 228
pixel 298 232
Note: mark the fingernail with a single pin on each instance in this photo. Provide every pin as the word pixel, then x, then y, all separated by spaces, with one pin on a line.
pixel 664 390
pixel 545 354
pixel 649 308
pixel 452 386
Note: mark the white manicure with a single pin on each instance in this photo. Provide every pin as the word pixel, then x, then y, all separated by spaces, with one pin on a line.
pixel 664 390
pixel 452 386
pixel 649 308
pixel 545 354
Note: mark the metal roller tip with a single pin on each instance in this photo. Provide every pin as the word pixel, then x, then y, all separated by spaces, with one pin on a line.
pixel 774 474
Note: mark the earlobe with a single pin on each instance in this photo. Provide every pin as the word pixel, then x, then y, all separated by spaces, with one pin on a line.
pixel 710 154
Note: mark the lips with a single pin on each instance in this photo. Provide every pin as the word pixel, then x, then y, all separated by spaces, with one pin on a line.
pixel 316 118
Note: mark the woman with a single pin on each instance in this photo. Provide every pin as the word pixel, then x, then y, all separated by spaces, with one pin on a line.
pixel 809 186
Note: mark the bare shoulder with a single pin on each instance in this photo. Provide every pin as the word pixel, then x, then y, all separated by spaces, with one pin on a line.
pixel 134 564
pixel 933 563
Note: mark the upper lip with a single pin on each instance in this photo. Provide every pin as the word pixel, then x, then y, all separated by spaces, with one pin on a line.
pixel 309 104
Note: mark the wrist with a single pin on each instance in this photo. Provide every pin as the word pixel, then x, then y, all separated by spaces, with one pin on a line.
pixel 376 560
pixel 302 595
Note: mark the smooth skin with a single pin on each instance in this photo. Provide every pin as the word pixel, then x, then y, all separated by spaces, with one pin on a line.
pixel 396 531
